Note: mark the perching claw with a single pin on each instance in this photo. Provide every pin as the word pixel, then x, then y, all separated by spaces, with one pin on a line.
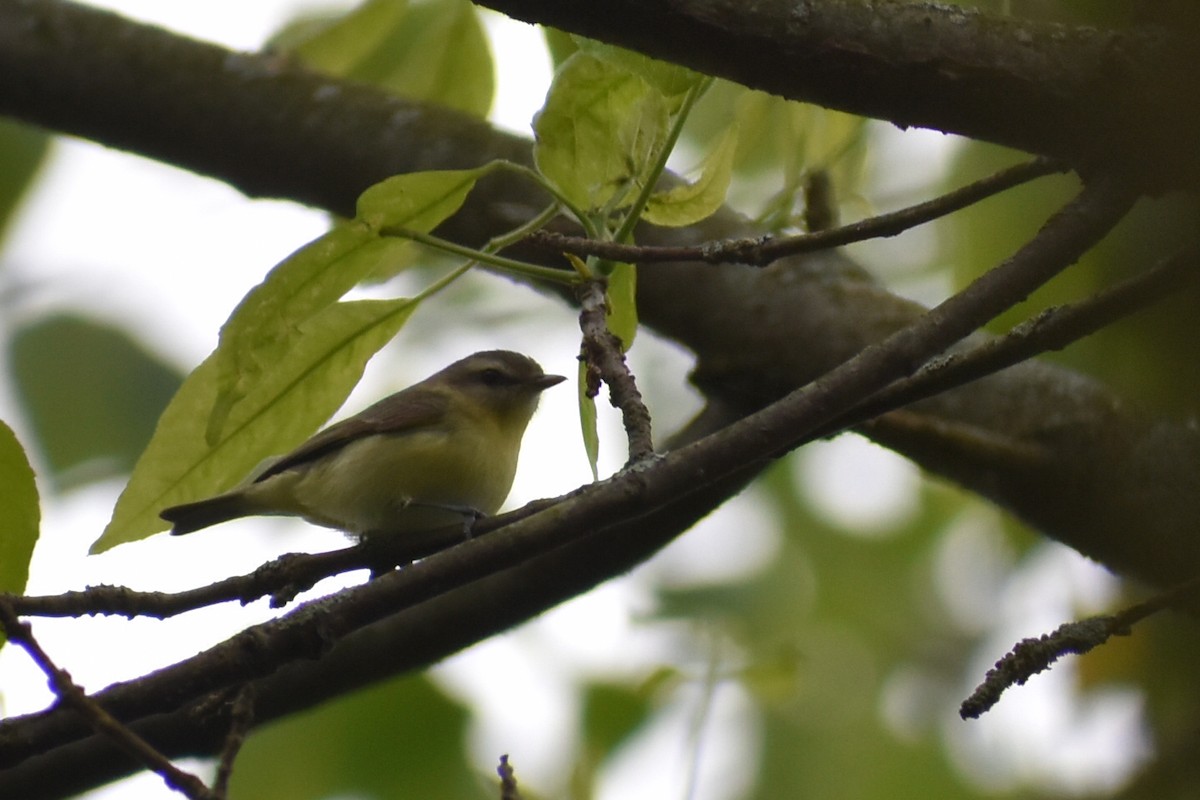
pixel 469 514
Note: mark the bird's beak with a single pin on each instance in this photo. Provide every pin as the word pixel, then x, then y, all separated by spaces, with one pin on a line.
pixel 543 382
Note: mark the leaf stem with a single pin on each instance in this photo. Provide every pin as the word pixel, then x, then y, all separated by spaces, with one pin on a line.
pixel 563 201
pixel 625 232
pixel 474 256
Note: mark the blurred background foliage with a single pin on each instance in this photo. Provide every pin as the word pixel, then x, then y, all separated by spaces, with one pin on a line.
pixel 92 394
pixel 403 738
pixel 850 646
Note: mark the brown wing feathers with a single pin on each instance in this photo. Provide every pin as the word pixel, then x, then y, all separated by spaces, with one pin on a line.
pixel 410 408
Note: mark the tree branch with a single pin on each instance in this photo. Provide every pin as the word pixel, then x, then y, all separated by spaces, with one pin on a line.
pixel 1060 91
pixel 281 579
pixel 765 250
pixel 272 129
pixel 605 360
pixel 1031 656
pixel 1052 329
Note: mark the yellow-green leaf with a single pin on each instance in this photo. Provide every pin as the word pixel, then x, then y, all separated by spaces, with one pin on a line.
pixel 20 516
pixel 307 384
pixel 599 131
pixel 418 201
pixel 261 330
pixel 671 80
pixel 692 202
pixel 587 422
pixel 621 300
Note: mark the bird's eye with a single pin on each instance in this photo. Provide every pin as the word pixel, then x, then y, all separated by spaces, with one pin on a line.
pixel 492 377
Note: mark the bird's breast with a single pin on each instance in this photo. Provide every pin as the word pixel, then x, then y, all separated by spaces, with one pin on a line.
pixel 387 482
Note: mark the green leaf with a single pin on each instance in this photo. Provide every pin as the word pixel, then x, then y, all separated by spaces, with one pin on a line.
pixel 418 201
pixel 260 332
pixel 671 80
pixel 434 51
pixel 311 379
pixel 690 203
pixel 599 131
pixel 20 516
pixel 287 358
pixel 587 422
pixel 621 300
pixel 59 361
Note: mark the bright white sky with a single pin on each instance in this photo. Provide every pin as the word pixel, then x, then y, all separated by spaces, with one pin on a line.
pixel 121 260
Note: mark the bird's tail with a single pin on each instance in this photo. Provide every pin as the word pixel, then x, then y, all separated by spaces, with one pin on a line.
pixel 203 513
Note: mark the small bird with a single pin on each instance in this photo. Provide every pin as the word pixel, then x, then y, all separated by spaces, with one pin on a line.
pixel 442 450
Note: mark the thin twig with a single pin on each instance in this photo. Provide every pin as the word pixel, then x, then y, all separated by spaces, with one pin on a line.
pixel 241 717
pixel 70 694
pixel 1031 656
pixel 764 250
pixel 602 352
pixel 280 579
pixel 1052 329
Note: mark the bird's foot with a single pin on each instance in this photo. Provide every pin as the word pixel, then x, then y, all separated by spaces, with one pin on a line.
pixel 470 515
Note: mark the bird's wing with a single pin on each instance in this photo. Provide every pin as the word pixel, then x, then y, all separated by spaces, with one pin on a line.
pixel 411 408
